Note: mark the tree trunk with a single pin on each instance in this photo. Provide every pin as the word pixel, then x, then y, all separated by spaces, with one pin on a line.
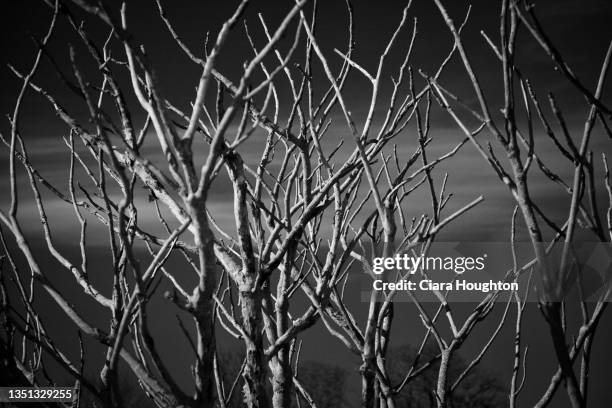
pixel 552 312
pixel 441 388
pixel 203 306
pixel 254 371
pixel 282 376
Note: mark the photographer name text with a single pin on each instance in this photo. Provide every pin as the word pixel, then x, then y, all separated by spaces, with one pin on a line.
pixel 406 266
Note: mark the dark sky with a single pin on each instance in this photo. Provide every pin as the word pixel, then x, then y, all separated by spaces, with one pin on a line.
pixel 581 29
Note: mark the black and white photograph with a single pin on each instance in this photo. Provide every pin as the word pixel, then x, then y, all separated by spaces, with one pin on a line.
pixel 306 204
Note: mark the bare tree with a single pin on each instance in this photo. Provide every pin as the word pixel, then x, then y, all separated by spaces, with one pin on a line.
pixel 307 212
pixel 515 142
